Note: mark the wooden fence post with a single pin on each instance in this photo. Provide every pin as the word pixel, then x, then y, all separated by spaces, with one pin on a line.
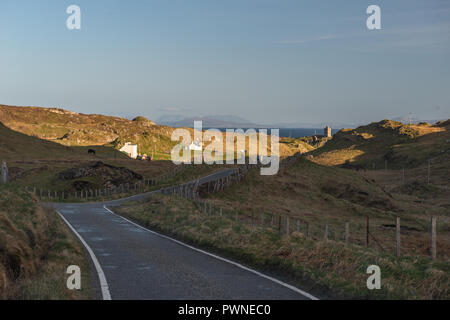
pixel 279 224
pixel 325 236
pixel 433 238
pixel 287 225
pixel 347 232
pixel 298 225
pixel 397 237
pixel 367 231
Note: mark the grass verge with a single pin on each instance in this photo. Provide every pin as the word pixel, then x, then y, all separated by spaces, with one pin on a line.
pixel 326 268
pixel 36 247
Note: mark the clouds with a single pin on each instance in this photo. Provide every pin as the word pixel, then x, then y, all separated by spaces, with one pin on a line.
pixel 312 39
pixel 265 60
pixel 171 109
pixel 425 38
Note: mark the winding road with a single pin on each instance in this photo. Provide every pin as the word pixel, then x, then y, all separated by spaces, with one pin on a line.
pixel 133 262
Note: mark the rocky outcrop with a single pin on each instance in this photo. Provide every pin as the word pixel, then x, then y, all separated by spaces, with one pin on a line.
pixel 108 176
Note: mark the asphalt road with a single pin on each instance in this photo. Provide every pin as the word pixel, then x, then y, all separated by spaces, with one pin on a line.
pixel 140 264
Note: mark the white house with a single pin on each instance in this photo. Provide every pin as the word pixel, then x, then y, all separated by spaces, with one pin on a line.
pixel 196 146
pixel 130 149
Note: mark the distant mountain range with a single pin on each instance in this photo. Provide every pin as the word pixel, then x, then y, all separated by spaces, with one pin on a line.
pixel 229 121
pixel 213 121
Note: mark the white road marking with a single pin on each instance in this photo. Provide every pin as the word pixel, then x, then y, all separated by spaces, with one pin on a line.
pixel 303 293
pixel 101 275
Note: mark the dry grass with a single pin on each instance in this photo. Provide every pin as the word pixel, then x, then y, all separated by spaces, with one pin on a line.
pixel 35 250
pixel 85 130
pixel 371 145
pixel 317 195
pixel 43 174
pixel 326 268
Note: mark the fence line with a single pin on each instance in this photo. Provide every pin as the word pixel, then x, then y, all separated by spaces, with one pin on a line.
pixel 138 186
pixel 195 190
pixel 287 225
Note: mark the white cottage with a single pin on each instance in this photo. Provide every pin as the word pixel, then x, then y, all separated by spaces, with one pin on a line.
pixel 130 149
pixel 196 146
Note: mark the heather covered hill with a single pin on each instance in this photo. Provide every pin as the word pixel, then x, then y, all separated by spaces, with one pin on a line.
pixel 36 162
pixel 16 145
pixel 249 222
pixel 77 129
pixel 386 142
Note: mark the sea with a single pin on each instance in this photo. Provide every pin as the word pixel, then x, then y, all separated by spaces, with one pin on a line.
pixel 295 132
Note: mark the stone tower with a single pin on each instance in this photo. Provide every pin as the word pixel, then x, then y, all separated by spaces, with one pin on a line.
pixel 327 132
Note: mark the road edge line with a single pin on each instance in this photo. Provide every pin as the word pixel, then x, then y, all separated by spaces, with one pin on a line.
pixel 303 293
pixel 106 295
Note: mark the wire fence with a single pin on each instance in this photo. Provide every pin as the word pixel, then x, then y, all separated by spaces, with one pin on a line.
pixel 135 187
pixel 393 235
pixel 428 236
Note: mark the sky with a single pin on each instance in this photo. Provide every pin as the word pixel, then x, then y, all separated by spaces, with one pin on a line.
pixel 264 60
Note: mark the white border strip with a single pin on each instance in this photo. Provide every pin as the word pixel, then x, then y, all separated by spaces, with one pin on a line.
pixel 309 296
pixel 101 275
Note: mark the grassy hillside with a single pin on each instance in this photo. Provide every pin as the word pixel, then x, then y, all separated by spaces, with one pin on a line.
pixel 15 145
pixel 328 269
pixel 43 164
pixel 36 162
pixel 35 250
pixel 315 195
pixel 398 144
pixel 76 129
pixel 302 145
pixel 18 146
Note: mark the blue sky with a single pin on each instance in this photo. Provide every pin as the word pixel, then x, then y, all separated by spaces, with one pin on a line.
pixel 264 60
